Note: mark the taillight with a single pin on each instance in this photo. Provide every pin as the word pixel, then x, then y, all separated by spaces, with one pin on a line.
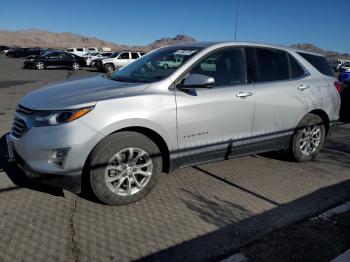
pixel 338 85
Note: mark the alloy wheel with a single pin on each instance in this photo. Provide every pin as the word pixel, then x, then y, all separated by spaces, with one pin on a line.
pixel 128 171
pixel 310 139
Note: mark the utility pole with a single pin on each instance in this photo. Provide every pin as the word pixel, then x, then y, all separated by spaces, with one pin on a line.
pixel 236 20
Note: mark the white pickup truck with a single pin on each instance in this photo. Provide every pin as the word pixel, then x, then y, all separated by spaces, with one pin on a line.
pixel 122 59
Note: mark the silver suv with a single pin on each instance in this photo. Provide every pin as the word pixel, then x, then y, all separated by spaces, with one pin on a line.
pixel 117 134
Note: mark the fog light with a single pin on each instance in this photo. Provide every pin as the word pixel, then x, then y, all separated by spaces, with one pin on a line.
pixel 58 156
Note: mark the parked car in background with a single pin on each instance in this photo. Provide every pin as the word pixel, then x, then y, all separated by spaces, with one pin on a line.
pixel 92 49
pixel 122 59
pixel 7 50
pixel 345 100
pixel 23 52
pixel 170 61
pixel 126 129
pixel 345 67
pixel 90 59
pixel 344 76
pixel 339 63
pixel 54 59
pixel 98 61
pixel 3 48
pixel 80 51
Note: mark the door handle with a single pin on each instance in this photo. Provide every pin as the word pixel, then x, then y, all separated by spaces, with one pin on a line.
pixel 303 87
pixel 244 94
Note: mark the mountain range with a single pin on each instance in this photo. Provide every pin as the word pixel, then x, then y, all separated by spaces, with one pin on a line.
pixel 43 38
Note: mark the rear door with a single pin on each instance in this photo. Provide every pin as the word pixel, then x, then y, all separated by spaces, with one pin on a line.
pixel 66 60
pixel 280 103
pixel 215 124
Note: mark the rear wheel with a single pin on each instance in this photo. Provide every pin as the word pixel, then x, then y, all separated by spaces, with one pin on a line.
pixel 124 168
pixel 75 66
pixel 40 65
pixel 308 138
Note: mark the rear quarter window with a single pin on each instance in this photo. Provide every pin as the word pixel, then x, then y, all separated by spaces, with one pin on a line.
pixel 296 69
pixel 319 62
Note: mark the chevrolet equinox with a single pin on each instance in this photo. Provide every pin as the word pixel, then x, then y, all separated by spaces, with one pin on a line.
pixel 222 100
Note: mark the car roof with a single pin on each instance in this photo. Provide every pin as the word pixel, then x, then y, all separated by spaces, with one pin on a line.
pixel 236 43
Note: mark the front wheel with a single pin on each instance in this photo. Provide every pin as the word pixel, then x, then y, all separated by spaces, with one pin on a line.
pixel 124 168
pixel 109 68
pixel 39 66
pixel 308 138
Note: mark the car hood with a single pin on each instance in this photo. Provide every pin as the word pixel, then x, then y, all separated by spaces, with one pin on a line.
pixel 78 92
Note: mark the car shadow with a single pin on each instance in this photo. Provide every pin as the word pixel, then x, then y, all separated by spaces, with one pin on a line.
pixel 18 177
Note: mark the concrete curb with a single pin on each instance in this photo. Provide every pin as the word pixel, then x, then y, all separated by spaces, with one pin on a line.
pixel 334 211
pixel 345 257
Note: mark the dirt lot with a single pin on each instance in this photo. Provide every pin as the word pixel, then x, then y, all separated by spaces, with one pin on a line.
pixel 200 213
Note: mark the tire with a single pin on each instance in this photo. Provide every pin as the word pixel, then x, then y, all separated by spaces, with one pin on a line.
pixel 39 65
pixel 75 66
pixel 112 176
pixel 109 68
pixel 308 139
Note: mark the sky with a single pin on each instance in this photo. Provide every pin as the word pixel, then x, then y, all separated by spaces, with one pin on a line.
pixel 136 22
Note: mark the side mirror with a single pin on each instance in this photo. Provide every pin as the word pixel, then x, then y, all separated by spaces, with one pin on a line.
pixel 197 81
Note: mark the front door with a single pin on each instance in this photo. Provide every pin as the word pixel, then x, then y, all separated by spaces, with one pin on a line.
pixel 215 124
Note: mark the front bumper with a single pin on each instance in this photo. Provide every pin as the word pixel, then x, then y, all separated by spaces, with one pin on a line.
pixel 31 152
pixel 28 64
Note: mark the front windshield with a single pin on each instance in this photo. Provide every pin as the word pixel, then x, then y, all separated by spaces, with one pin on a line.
pixel 115 54
pixel 156 65
pixel 46 53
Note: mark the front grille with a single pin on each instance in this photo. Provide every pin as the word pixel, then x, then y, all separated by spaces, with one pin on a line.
pixel 19 127
pixel 24 110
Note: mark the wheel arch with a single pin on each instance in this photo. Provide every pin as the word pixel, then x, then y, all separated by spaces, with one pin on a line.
pixel 157 139
pixel 148 132
pixel 324 116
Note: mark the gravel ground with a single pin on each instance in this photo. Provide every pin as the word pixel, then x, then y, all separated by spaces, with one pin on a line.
pixel 200 213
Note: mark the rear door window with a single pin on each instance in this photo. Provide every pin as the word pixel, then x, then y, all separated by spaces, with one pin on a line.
pixel 319 62
pixel 124 56
pixel 272 64
pixel 134 55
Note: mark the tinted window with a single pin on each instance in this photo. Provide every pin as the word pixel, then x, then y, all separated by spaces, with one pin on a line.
pixel 54 55
pixel 295 68
pixel 80 49
pixel 134 55
pixel 272 64
pixel 319 62
pixel 124 56
pixel 227 67
pixel 251 65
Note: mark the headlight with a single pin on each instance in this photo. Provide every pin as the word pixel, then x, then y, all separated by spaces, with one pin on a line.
pixel 51 118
